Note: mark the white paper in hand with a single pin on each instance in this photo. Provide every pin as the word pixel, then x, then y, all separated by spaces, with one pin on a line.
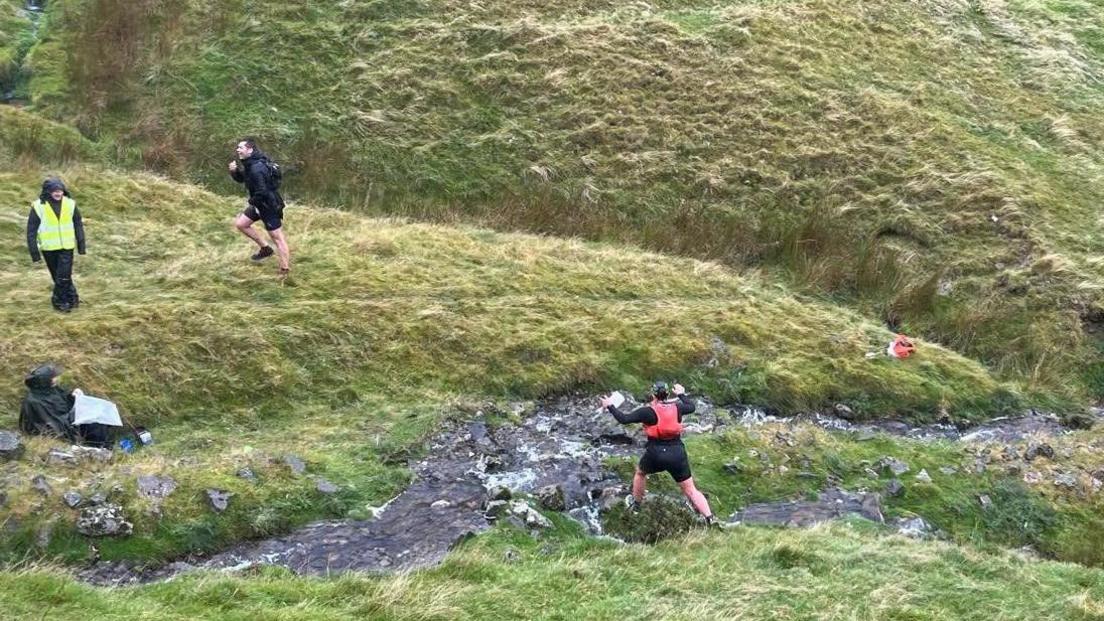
pixel 92 410
pixel 616 399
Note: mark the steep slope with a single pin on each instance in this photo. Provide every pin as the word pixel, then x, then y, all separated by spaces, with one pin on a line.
pixel 933 164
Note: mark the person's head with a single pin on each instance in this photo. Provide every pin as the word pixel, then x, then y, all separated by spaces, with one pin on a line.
pixel 43 376
pixel 52 188
pixel 246 147
pixel 660 390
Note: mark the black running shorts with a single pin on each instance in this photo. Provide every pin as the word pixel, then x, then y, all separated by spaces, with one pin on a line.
pixel 666 457
pixel 271 217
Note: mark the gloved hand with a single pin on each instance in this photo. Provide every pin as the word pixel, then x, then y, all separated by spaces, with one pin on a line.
pixel 678 389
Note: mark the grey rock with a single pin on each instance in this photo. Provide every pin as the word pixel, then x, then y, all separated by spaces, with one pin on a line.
pixel 495 509
pixel 98 498
pixel 326 487
pixel 733 467
pixel 219 499
pixel 1035 450
pixel 91 454
pixel 1067 480
pixel 440 504
pixel 923 476
pixel 610 498
pixel 893 465
pixel 551 497
pixel 72 499
pixel 985 501
pixel 11 446
pixel 153 486
pixel 58 457
pixel 499 492
pixel 915 528
pixel 844 412
pixel 105 520
pixel 297 465
pixel 40 485
pixel 895 488
pixel 949 470
pixel 45 532
pixel 247 474
pixel 531 517
pixel 831 504
pixel 1031 477
pixel 511 556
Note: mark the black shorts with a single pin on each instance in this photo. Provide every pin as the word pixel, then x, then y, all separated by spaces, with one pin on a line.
pixel 666 457
pixel 272 218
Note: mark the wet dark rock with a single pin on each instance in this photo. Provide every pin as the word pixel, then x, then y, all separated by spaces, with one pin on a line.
pixel 622 439
pixel 105 520
pixel 98 498
pixel 551 497
pixel 219 499
pixel 58 457
pixel 297 465
pixel 40 485
pixel 11 446
pixel 831 504
pixel 72 499
pixel 157 487
pixel 324 486
pixel 489 463
pixel 3 498
pixel 895 488
pixel 1098 474
pixel 1035 450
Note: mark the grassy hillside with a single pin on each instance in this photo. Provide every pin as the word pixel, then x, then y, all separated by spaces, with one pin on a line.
pixel 827 574
pixel 15 40
pixel 384 329
pixel 935 165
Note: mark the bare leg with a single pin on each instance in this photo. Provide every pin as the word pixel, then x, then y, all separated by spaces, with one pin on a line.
pixel 696 498
pixel 283 253
pixel 639 485
pixel 245 225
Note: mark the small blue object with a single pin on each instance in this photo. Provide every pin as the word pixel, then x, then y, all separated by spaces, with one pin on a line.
pixel 127 445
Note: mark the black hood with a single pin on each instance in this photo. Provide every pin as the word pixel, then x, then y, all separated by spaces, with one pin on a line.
pixel 49 185
pixel 42 376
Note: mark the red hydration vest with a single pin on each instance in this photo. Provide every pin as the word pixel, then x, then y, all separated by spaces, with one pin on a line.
pixel 667 425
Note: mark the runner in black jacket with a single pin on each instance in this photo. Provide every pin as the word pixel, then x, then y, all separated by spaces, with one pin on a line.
pixel 265 203
pixel 662 420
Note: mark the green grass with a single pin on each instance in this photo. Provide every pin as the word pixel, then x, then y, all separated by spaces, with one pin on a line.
pixel 859 150
pixel 385 329
pixel 746 573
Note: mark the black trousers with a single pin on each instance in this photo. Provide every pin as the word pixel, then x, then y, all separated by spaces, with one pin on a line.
pixel 60 264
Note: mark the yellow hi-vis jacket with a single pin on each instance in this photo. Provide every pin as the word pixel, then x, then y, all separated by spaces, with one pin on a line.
pixel 56 232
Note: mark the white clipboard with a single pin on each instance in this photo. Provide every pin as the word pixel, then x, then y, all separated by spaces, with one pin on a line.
pixel 94 410
pixel 616 399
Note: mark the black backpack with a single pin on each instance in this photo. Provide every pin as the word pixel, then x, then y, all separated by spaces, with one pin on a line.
pixel 275 175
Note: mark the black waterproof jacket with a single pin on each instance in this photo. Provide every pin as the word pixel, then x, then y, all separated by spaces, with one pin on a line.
pixel 253 172
pixel 45 409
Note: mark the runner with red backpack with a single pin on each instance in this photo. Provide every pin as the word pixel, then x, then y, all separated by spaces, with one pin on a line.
pixel 664 451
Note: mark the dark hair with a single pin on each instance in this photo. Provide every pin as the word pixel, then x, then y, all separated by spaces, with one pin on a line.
pixel 249 142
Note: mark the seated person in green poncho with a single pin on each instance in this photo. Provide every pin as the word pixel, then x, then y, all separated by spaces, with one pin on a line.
pixel 48 410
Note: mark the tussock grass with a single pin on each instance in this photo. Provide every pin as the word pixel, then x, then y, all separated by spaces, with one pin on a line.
pixel 385 329
pixel 942 140
pixel 746 573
